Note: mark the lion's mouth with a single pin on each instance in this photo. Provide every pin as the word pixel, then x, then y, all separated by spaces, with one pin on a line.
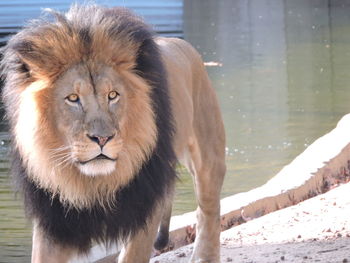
pixel 98 157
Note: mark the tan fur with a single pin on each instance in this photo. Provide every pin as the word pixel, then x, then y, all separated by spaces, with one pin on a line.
pixel 199 140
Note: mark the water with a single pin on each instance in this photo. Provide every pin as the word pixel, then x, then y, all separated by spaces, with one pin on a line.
pixel 283 83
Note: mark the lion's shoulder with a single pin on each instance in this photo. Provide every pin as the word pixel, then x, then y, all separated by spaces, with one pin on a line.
pixel 178 49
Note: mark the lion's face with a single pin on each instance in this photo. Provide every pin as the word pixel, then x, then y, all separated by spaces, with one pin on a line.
pixel 86 134
pixel 90 109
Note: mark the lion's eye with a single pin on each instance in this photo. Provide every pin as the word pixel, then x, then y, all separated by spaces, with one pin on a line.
pixel 73 98
pixel 113 95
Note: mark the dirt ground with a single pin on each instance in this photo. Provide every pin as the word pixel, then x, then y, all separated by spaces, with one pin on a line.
pixel 316 230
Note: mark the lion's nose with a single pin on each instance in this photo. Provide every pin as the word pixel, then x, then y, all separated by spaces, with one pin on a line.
pixel 100 140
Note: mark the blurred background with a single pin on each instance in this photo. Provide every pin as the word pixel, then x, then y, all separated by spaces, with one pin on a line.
pixel 279 67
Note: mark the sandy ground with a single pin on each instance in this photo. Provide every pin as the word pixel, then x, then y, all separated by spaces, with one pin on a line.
pixel 316 230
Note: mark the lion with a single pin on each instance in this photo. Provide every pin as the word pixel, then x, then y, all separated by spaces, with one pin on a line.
pixel 100 112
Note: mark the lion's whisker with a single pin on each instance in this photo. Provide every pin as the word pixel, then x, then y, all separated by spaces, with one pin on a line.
pixel 65 161
pixel 66 164
pixel 59 157
pixel 60 149
pixel 61 162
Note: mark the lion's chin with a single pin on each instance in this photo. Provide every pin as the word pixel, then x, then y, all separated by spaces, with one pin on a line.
pixel 97 167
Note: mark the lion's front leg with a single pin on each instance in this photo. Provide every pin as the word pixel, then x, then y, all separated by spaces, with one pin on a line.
pixel 45 250
pixel 140 246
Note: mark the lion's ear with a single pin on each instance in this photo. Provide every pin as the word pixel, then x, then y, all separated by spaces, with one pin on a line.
pixel 48 50
pixel 37 60
pixel 27 55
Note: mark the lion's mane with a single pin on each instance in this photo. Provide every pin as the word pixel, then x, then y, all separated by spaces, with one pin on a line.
pixel 93 208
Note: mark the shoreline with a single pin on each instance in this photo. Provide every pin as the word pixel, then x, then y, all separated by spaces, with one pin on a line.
pixel 315 230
